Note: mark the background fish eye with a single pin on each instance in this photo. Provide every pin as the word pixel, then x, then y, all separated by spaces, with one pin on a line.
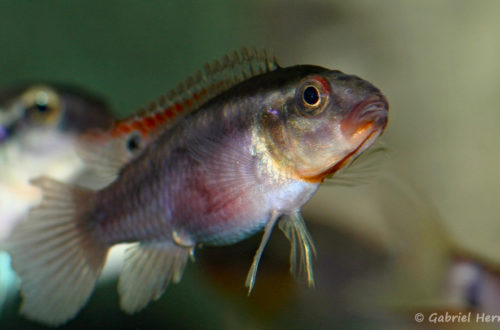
pixel 42 104
pixel 42 107
pixel 40 110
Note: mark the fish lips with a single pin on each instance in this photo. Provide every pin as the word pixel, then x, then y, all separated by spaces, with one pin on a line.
pixel 372 112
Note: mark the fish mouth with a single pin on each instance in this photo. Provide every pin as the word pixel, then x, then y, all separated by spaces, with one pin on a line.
pixel 372 112
pixel 376 111
pixel 374 133
pixel 365 123
pixel 369 119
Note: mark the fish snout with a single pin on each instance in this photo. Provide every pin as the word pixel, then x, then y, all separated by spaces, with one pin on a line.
pixel 372 112
pixel 376 111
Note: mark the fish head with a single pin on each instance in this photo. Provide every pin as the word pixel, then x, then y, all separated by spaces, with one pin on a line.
pixel 39 126
pixel 30 116
pixel 38 116
pixel 37 108
pixel 322 120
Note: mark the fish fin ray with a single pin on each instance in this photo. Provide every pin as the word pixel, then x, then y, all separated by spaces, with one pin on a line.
pixel 56 284
pixel 363 169
pixel 105 154
pixel 229 170
pixel 148 270
pixel 302 248
pixel 252 273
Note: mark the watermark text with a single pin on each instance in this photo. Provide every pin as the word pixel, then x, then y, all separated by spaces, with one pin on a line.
pixel 458 317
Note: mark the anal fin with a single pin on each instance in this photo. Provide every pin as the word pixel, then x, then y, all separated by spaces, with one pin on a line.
pixel 149 268
pixel 302 247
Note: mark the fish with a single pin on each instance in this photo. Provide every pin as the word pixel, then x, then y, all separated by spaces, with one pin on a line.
pixel 472 283
pixel 44 107
pixel 249 146
pixel 39 125
pixel 129 136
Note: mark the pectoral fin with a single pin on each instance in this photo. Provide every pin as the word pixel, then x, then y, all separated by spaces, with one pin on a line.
pixel 363 169
pixel 252 273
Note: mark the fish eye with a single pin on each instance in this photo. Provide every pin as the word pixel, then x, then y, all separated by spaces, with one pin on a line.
pixel 42 104
pixel 313 95
pixel 42 107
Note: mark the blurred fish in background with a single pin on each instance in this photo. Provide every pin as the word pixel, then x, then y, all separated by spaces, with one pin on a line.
pixel 39 125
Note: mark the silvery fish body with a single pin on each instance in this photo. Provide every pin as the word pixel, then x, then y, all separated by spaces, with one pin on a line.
pixel 240 160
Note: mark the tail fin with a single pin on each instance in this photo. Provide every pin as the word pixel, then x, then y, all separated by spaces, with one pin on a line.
pixel 55 255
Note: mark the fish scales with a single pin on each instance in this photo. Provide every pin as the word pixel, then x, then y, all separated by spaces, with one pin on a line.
pixel 211 211
pixel 248 157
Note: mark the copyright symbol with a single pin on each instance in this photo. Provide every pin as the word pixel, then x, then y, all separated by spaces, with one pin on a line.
pixel 419 317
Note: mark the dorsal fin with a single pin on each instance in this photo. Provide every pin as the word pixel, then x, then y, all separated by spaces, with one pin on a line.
pixel 108 151
pixel 215 78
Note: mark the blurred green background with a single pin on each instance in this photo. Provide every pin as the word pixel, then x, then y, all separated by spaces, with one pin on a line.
pixel 437 63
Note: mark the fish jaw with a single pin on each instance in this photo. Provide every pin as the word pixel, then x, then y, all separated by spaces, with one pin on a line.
pixel 313 140
pixel 372 112
pixel 346 160
pixel 334 148
pixel 360 129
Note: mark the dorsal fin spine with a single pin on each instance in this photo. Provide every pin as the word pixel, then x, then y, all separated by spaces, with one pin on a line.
pixel 178 107
pixel 168 113
pixel 216 77
pixel 150 122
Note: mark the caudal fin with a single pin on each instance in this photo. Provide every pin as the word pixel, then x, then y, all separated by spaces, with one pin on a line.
pixel 55 255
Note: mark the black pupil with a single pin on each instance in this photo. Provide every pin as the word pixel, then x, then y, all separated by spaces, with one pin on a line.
pixel 133 143
pixel 311 95
pixel 42 107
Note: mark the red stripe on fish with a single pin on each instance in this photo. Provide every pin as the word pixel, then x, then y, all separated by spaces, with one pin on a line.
pixel 150 123
pixel 324 83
